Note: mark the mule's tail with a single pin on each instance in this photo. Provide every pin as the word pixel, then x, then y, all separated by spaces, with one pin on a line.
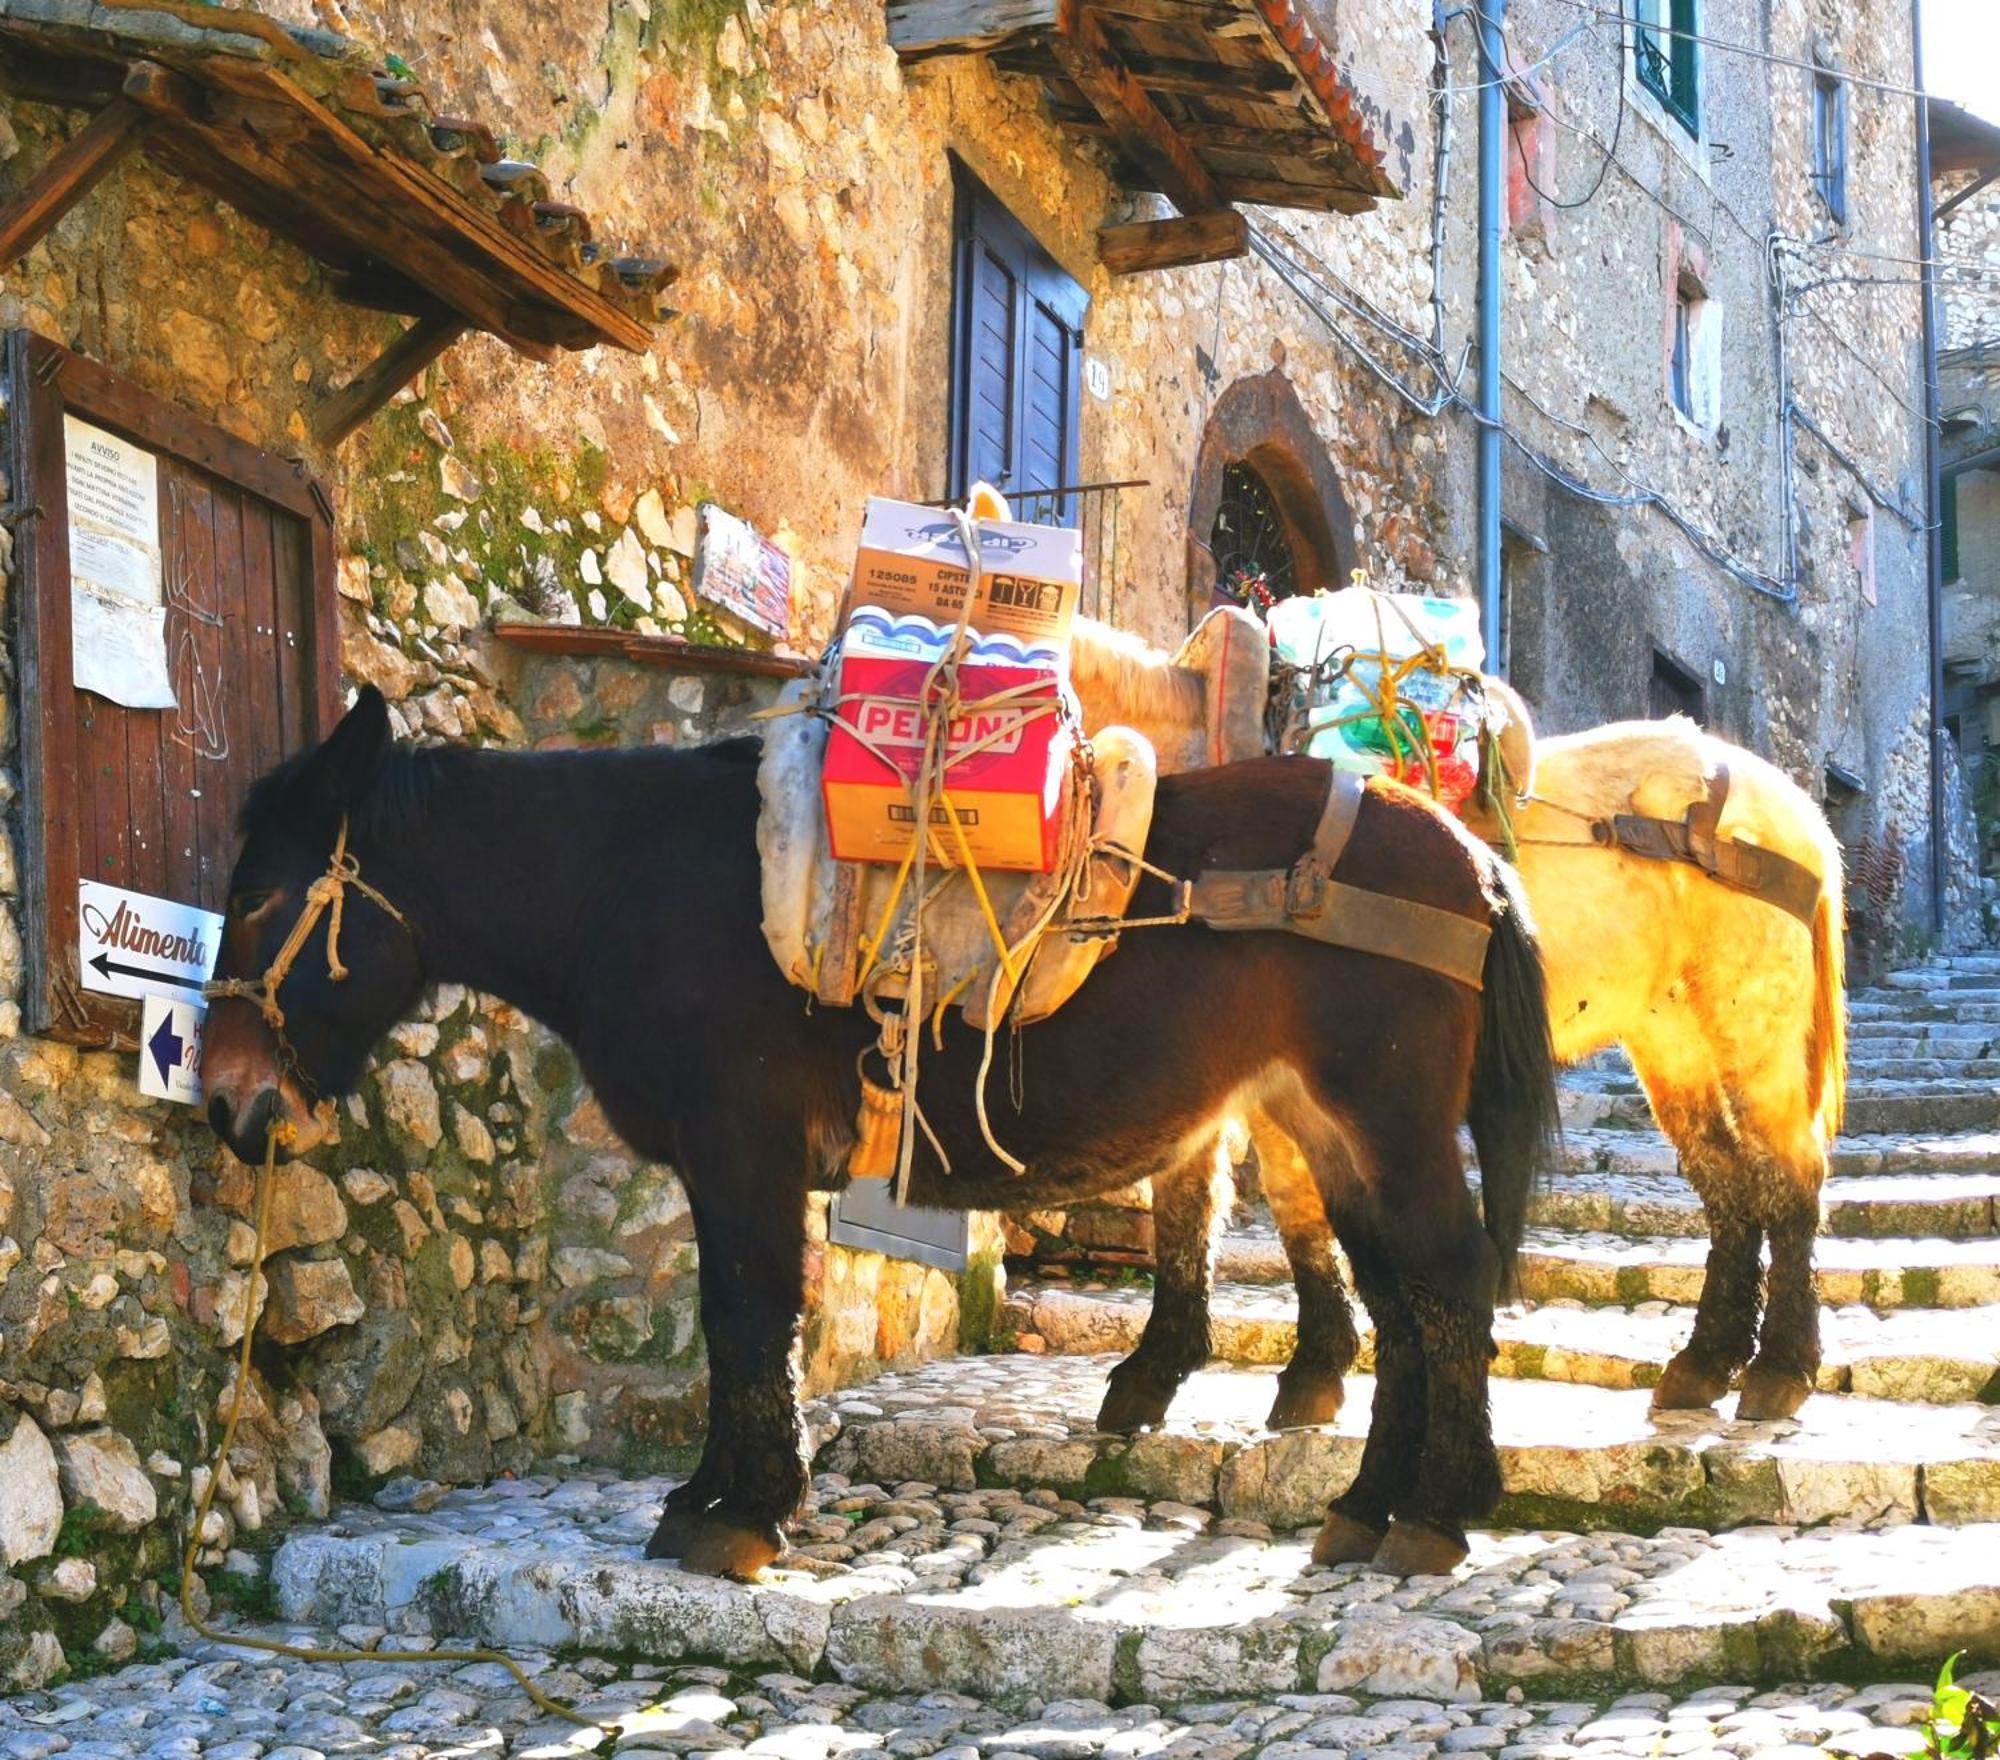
pixel 1826 1048
pixel 1513 1114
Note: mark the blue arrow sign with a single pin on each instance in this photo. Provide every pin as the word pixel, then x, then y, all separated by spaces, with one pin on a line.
pixel 167 1047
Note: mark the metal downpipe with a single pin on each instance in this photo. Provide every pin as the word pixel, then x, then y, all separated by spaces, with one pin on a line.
pixel 1933 498
pixel 1488 15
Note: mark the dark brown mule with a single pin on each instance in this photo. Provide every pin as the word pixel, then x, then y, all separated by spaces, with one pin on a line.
pixel 614 896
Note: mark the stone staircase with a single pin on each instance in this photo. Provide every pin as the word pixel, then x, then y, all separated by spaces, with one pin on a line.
pixel 972 1534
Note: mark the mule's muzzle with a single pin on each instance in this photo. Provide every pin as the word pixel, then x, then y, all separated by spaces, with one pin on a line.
pixel 245 1123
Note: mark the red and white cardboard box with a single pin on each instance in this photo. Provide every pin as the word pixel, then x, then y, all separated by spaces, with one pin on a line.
pixel 1007 752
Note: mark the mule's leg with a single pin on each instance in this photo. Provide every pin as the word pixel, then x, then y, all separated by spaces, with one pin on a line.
pixel 752 1476
pixel 1787 1362
pixel 1359 1517
pixel 1310 1387
pixel 1450 1274
pixel 1176 1340
pixel 1725 1319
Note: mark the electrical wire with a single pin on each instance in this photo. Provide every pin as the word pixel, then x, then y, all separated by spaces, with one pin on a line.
pixel 1863 81
pixel 1610 151
pixel 1450 396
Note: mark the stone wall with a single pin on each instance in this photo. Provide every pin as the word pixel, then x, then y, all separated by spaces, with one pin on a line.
pixel 476 1274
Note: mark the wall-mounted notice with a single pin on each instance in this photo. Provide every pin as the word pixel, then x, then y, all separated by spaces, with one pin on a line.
pixel 738 568
pixel 118 612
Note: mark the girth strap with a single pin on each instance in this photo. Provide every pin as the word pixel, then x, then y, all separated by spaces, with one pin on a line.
pixel 1762 873
pixel 1305 899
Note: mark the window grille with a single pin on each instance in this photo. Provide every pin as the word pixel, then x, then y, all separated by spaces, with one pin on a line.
pixel 1668 58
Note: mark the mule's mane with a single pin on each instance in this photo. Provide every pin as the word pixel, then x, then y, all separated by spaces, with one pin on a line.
pixel 409 780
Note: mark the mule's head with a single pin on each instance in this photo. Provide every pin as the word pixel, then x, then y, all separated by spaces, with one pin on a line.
pixel 255 1075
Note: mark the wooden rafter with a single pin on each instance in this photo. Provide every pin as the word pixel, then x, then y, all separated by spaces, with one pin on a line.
pixel 399 363
pixel 106 140
pixel 1173 244
pixel 322 144
pixel 1085 52
pixel 1207 102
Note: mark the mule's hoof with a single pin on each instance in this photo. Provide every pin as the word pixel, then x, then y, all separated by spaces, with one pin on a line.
pixel 1688 1386
pixel 1772 1393
pixel 1305 1400
pixel 1343 1540
pixel 1416 1549
pixel 1131 1406
pixel 724 1549
pixel 678 1526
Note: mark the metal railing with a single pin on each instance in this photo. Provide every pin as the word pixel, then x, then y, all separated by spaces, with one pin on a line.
pixel 1094 509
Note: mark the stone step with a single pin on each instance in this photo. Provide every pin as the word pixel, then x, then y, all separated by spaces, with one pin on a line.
pixel 1958 1205
pixel 1929 1356
pixel 1888 1272
pixel 1921 1067
pixel 1647 1196
pixel 1945 1006
pixel 1935 1107
pixel 1571 1456
pixel 1023 1600
pixel 1647 1152
pixel 1863 1033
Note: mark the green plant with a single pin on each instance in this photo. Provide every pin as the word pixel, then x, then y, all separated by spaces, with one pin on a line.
pixel 1961 1725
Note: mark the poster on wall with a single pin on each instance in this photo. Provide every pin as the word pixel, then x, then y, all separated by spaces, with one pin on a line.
pixel 741 570
pixel 118 612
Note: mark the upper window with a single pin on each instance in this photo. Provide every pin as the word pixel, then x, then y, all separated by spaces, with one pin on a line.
pixel 1694 356
pixel 1017 359
pixel 1680 364
pixel 1668 56
pixel 1829 143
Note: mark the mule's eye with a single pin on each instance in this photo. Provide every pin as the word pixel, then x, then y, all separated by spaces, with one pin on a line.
pixel 247 907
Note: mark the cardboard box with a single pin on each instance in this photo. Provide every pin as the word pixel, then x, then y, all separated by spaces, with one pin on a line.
pixel 1007 793
pixel 912 562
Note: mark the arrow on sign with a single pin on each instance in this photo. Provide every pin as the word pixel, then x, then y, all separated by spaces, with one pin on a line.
pixel 167 1047
pixel 104 965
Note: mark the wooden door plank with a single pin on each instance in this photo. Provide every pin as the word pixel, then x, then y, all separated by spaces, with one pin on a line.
pixel 190 563
pixel 70 174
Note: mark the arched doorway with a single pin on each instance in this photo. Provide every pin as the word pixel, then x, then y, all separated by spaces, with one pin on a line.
pixel 1266 502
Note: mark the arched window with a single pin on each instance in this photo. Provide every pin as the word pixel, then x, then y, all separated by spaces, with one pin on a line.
pixel 1265 502
pixel 1254 563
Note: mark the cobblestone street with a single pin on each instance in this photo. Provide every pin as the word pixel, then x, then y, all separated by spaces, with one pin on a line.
pixel 223 1705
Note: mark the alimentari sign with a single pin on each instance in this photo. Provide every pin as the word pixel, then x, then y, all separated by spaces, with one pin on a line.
pixel 133 944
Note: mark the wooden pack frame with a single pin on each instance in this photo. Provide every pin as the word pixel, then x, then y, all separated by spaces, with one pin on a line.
pixel 260 530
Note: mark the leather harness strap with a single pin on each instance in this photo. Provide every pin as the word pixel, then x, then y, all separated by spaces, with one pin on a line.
pixel 1763 873
pixel 1305 899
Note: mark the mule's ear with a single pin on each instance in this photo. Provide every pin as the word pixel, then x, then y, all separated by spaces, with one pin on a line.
pixel 339 773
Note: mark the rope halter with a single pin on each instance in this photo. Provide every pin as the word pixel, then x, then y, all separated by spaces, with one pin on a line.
pixel 325 897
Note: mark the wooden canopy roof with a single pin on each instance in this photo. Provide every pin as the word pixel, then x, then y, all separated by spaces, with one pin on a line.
pixel 328 144
pixel 1208 102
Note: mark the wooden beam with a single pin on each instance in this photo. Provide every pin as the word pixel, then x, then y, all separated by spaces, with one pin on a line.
pixel 920 28
pixel 1087 54
pixel 69 176
pixel 1172 244
pixel 1272 193
pixel 340 414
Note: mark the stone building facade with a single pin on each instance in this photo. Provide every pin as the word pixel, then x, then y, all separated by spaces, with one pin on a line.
pixel 477 1275
pixel 1967 150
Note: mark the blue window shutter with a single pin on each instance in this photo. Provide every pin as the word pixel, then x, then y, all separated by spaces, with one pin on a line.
pixel 1017 356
